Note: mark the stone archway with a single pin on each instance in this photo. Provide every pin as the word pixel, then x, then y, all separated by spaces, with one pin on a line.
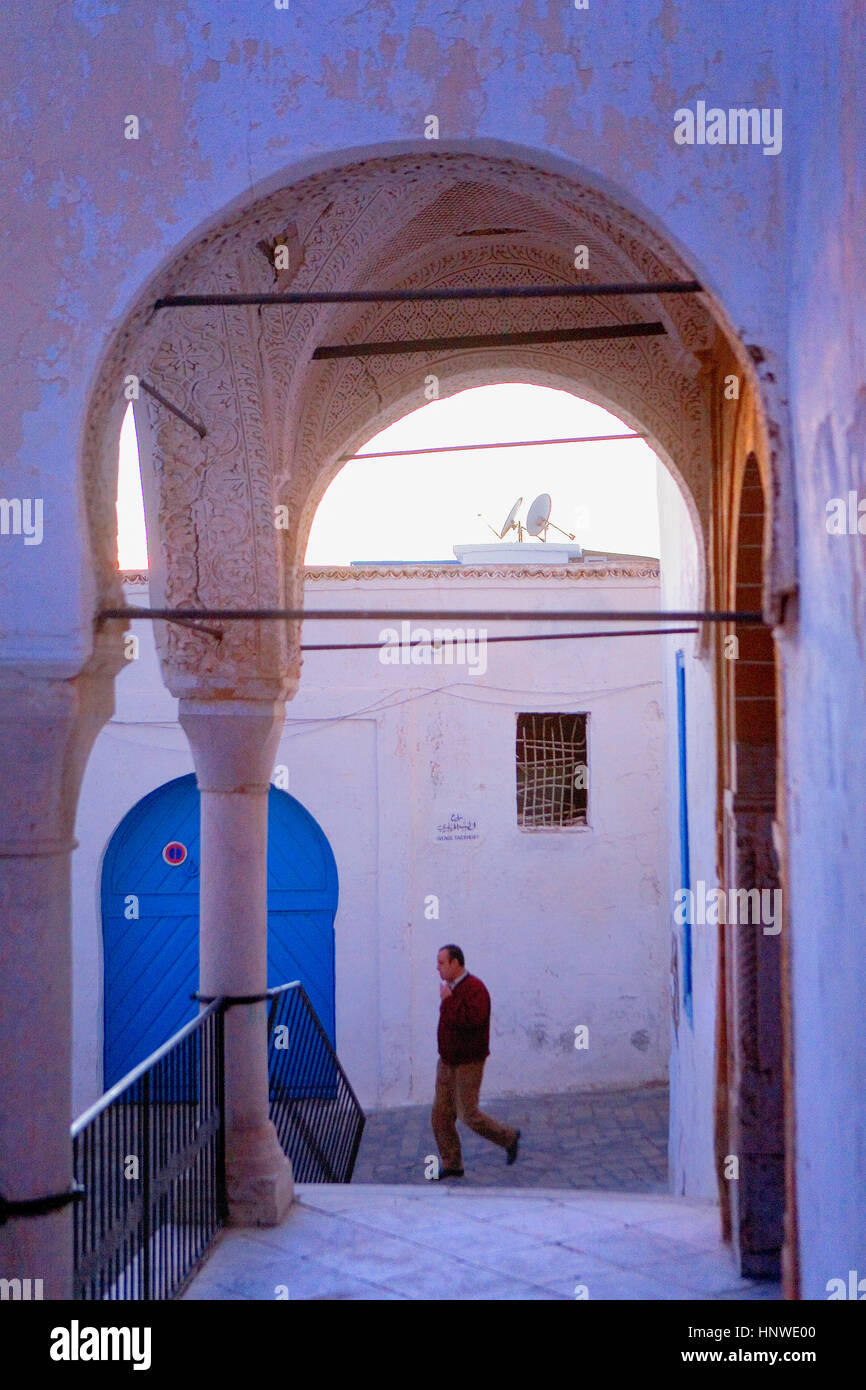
pixel 277 423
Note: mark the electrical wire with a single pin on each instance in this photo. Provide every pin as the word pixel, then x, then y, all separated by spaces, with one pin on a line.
pixel 456 692
pixel 529 637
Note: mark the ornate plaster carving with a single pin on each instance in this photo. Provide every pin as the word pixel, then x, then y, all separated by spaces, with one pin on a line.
pixel 277 423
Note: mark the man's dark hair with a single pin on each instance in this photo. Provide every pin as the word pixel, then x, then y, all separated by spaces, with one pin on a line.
pixel 454 953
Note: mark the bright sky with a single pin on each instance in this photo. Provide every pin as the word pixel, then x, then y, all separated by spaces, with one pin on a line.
pixel 420 508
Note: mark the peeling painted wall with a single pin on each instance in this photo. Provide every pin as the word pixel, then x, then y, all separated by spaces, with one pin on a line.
pixel 231 99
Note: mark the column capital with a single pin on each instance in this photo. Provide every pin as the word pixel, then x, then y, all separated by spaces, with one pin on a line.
pixel 233 742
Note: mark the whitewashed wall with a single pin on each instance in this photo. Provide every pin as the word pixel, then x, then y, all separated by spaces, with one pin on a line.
pixel 565 927
pixel 692 1063
pixel 142 747
pixel 824 658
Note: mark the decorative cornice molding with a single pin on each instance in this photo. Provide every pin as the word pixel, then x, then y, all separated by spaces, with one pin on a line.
pixel 467 572
pixel 458 572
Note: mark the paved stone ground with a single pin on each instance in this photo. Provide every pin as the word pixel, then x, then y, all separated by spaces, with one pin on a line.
pixel 612 1140
pixel 443 1241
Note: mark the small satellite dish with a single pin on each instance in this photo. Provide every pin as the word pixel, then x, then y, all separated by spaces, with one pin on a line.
pixel 511 522
pixel 539 514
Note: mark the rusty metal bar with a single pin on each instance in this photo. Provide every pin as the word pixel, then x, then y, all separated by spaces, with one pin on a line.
pixel 449 615
pixel 484 340
pixel 191 301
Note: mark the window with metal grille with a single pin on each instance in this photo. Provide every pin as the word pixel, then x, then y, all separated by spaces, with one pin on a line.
pixel 551 770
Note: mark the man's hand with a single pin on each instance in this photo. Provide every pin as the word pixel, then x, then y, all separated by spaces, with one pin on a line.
pixel 444 991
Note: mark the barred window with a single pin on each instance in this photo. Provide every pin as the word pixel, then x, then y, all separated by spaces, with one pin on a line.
pixel 551 770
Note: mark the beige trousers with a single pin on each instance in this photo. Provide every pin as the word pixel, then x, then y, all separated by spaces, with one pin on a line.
pixel 457 1091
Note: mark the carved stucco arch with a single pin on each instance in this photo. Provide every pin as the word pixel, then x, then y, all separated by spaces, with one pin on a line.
pixel 464 371
pixel 277 423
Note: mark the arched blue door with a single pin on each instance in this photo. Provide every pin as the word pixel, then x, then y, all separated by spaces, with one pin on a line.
pixel 150 880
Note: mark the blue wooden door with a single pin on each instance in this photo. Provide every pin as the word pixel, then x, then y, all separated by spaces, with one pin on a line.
pixel 150 882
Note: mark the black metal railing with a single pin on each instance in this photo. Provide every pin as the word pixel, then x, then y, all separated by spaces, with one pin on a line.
pixel 314 1109
pixel 150 1157
pixel 150 1154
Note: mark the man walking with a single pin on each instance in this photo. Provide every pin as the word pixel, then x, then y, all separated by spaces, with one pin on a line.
pixel 464 1046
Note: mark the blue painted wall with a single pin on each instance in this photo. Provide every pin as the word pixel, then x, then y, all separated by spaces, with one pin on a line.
pixel 151 962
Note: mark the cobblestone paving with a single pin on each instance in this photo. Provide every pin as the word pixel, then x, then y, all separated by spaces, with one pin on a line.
pixel 614 1140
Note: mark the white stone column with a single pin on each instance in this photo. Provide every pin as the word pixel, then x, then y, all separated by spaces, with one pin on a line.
pixel 234 743
pixel 47 728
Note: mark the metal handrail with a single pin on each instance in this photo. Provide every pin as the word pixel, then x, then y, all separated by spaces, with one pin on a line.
pixel 126 1081
pixel 150 1156
pixel 317 1116
pixel 143 1236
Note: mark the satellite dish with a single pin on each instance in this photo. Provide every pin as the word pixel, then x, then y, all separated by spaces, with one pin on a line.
pixel 539 514
pixel 538 519
pixel 511 522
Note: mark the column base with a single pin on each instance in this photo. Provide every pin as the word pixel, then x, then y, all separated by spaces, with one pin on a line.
pixel 259 1183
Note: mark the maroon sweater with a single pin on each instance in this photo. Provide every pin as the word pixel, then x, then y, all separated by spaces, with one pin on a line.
pixel 464 1023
